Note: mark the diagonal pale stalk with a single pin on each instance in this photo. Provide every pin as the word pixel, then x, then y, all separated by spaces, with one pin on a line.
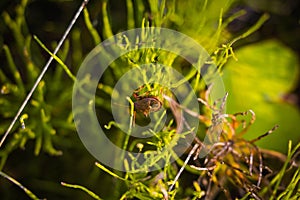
pixel 38 80
pixel 183 166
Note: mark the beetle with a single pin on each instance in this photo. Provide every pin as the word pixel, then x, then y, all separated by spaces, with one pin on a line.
pixel 144 103
pixel 147 104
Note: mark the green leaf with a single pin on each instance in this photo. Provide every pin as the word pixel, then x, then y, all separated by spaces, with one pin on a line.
pixel 263 74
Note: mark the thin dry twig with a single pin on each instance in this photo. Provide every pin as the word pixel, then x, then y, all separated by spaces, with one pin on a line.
pixel 43 72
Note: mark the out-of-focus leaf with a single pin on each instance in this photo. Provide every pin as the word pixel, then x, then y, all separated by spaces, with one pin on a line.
pixel 263 73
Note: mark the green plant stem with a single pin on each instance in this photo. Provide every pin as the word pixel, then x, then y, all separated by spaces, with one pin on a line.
pixel 65 67
pixel 90 27
pixel 254 28
pixel 14 181
pixel 92 194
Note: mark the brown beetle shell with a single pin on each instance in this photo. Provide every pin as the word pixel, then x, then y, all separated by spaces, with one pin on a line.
pixel 147 105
